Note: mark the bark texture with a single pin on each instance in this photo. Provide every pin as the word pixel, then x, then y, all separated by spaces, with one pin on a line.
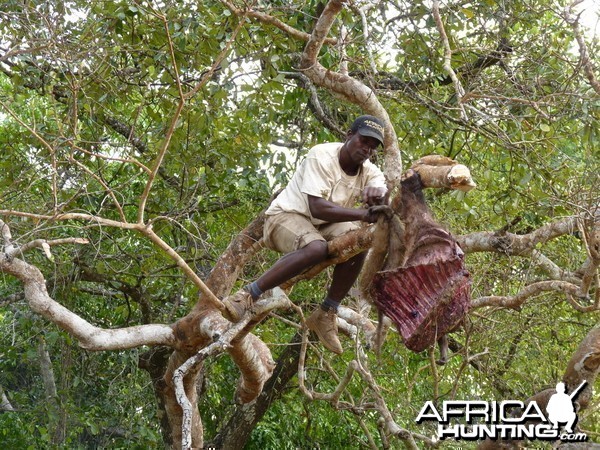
pixel 236 432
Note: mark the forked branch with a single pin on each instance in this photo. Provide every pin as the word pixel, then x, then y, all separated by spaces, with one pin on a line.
pixel 256 367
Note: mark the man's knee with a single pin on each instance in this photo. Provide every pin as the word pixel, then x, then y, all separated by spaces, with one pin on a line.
pixel 315 251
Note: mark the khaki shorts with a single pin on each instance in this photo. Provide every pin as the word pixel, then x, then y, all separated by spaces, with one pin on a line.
pixel 287 232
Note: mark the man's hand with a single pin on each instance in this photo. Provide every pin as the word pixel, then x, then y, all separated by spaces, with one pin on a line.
pixel 374 212
pixel 374 195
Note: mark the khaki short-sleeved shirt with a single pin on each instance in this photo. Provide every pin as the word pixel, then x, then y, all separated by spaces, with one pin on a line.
pixel 321 175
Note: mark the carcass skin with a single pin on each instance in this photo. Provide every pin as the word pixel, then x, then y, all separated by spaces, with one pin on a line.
pixel 426 290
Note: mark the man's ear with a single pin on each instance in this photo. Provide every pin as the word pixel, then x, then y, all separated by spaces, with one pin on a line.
pixel 349 134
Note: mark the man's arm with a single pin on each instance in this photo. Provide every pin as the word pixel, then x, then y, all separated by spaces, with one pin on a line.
pixel 330 212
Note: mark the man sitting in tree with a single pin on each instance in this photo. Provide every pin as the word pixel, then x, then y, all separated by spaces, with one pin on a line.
pixel 318 204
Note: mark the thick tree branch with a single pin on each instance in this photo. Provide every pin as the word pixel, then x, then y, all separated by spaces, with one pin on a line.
pixel 552 269
pixel 339 249
pixel 237 254
pixel 12 250
pixel 584 365
pixel 5 232
pixel 441 172
pixel 528 291
pixel 143 229
pixel 236 432
pixel 51 400
pixel 513 244
pixel 255 369
pixel 128 133
pixel 90 337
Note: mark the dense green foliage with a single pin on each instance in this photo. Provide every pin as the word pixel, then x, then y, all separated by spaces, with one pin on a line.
pixel 87 88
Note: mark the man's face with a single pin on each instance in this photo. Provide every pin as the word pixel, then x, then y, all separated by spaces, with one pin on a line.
pixel 361 148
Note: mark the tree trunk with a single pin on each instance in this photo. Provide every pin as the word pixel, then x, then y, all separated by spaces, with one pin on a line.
pixel 236 433
pixel 154 361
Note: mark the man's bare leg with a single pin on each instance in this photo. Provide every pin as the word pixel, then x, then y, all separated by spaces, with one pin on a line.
pixel 293 264
pixel 344 276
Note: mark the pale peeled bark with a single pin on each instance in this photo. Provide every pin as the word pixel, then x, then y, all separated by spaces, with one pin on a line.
pixel 442 172
pixel 90 337
pixel 584 365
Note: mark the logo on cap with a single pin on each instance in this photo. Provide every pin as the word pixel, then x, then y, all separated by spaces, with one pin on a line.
pixel 369 126
pixel 370 123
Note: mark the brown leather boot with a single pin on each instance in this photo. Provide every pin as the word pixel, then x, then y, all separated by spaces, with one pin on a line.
pixel 324 324
pixel 237 304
